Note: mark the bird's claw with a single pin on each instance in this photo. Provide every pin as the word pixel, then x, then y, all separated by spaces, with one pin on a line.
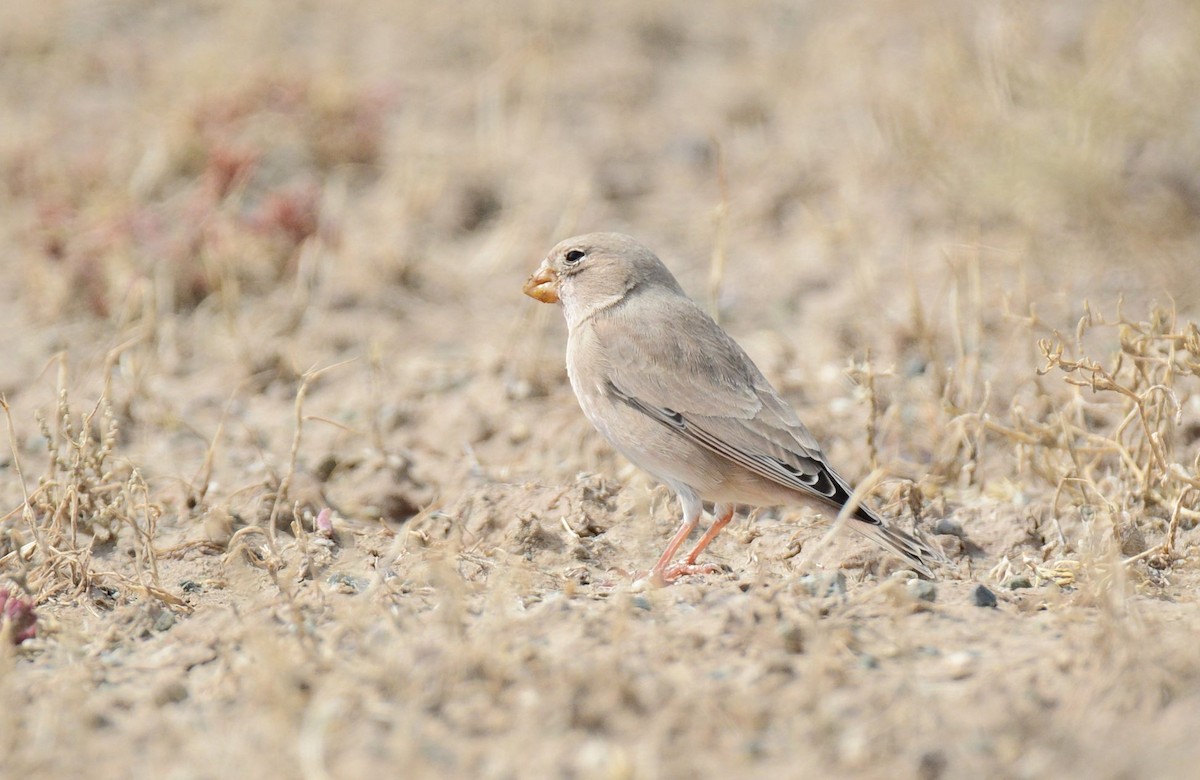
pixel 662 577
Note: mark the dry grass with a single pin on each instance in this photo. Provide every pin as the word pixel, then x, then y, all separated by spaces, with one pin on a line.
pixel 941 230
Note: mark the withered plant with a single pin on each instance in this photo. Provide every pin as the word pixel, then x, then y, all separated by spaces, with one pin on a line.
pixel 86 501
pixel 1124 444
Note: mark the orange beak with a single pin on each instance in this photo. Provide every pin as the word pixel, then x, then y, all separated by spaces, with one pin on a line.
pixel 543 285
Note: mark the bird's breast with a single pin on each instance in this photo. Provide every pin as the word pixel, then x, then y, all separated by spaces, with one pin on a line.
pixel 653 447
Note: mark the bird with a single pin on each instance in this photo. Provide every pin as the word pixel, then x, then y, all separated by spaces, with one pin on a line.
pixel 677 396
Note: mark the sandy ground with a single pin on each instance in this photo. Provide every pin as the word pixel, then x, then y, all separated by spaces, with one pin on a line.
pixel 297 487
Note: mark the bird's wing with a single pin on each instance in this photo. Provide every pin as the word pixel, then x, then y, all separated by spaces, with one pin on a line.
pixel 671 362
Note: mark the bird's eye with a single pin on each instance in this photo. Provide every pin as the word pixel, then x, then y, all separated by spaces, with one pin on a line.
pixel 573 257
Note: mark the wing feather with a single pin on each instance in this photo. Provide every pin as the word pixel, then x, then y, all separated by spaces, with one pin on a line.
pixel 692 377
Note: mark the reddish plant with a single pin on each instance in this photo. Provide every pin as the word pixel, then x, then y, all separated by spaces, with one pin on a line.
pixel 19 613
pixel 292 213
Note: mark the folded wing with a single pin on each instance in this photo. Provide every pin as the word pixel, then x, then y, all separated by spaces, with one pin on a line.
pixel 691 376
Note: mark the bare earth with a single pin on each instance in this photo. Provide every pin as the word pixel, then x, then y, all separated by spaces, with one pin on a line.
pixel 296 485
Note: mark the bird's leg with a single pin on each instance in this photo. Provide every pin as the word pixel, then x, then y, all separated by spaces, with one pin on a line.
pixel 691 507
pixel 722 514
pixel 663 572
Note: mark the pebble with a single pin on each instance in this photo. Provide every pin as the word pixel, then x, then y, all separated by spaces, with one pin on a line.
pixel 793 637
pixel 961 665
pixel 932 765
pixel 347 583
pixel 164 621
pixel 948 526
pixel 1018 582
pixel 922 590
pixel 983 597
pixel 825 584
pixel 171 693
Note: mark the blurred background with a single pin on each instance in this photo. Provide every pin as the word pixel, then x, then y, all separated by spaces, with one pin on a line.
pixel 198 145
pixel 234 194
pixel 887 203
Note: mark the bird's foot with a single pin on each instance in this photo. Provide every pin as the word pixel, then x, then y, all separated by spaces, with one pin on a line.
pixel 660 577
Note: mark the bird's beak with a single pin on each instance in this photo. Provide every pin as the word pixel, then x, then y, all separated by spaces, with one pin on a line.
pixel 543 285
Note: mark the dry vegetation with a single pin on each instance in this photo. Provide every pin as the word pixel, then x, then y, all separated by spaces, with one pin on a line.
pixel 295 485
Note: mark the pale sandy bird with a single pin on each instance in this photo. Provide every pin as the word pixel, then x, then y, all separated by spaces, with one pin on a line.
pixel 677 396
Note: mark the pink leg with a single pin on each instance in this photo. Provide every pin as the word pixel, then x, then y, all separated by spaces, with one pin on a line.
pixel 692 508
pixel 663 572
pixel 722 514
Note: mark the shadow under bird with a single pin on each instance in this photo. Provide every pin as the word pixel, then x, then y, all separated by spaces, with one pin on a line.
pixel 677 396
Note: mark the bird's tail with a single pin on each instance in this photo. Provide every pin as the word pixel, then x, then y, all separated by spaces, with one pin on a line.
pixel 916 552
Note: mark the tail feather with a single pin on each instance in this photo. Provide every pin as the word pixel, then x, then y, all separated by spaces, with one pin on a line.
pixel 915 551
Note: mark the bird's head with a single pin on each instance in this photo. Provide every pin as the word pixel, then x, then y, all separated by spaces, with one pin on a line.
pixel 591 272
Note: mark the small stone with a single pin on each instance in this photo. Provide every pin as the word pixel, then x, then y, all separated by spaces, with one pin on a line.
pixel 932 765
pixel 948 526
pixel 326 467
pixel 348 584
pixel 519 433
pixel 190 586
pixel 825 584
pixel 164 621
pixel 171 693
pixel 1018 582
pixel 982 597
pixel 961 665
pixel 641 602
pixel 922 590
pixel 868 661
pixel 1130 538
pixel 793 637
